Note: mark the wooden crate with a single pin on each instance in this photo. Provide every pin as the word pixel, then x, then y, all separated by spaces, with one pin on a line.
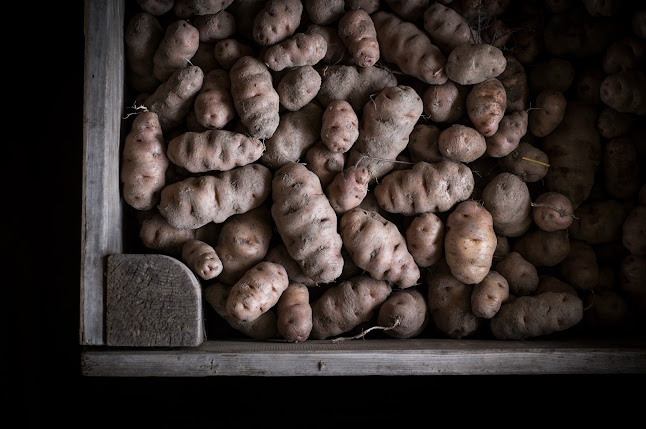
pixel 177 346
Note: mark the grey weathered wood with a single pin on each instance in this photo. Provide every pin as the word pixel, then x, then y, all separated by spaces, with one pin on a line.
pixel 372 357
pixel 101 210
pixel 152 301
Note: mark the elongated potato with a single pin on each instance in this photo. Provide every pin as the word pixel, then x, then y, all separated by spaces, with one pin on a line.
pixel 294 313
pixel 469 242
pixel 376 245
pixel 345 305
pixel 534 316
pixel 258 290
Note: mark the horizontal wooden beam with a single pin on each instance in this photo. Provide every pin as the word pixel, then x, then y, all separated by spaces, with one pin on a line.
pixel 371 357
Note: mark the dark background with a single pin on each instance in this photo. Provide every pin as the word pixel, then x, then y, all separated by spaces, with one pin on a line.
pixel 43 132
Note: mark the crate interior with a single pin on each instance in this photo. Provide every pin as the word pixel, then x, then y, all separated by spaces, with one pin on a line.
pixel 611 254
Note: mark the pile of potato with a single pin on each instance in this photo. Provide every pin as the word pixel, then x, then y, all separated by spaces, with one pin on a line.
pixel 442 169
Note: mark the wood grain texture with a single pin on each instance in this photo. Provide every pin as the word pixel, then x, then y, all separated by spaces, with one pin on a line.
pixel 101 205
pixel 373 357
pixel 152 301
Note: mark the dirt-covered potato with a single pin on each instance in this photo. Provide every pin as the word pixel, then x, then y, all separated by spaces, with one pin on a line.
pixel 449 302
pixel 347 304
pixel 473 63
pixel 535 316
pixel 404 314
pixel 521 275
pixel 488 296
pixel 508 200
pixel 469 242
pixel 552 211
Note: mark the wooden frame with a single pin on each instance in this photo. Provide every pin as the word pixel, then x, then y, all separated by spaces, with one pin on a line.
pixel 103 236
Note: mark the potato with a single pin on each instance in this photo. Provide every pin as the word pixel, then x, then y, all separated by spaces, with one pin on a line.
pixel 521 275
pixel 339 126
pixel 215 26
pixel 574 152
pixel 280 255
pixel 258 290
pixel 385 126
pixel 213 150
pixel 323 162
pixel 357 32
pixel 587 84
pixel 552 74
pixel 173 99
pixel 548 112
pixel 461 143
pixel 177 47
pixel 336 52
pixel 409 10
pixel 301 49
pixel 348 189
pixel 142 36
pixel 606 311
pixel 157 234
pixel 196 201
pixel 294 313
pixel 527 162
pixel 580 268
pixel 473 63
pixel 256 101
pixel 488 296
pixel 552 211
pixel 324 12
pixel 191 8
pixel 449 303
pixel 243 242
pixel 404 314
pixel 262 328
pixel 202 259
pixel 469 242
pixel 612 124
pixel 213 104
pixel 376 245
pixel 144 162
pixel 543 248
pixel 423 144
pixel 620 168
pixel 486 104
pixel 298 87
pixel 445 103
pixel 514 79
pixel 425 239
pixel 228 51
pixel 296 132
pixel 427 187
pixel 306 222
pixel 511 129
pixel 599 221
pixel 534 316
pixel 156 7
pixel 354 84
pixel 345 305
pixel 277 21
pixel 625 91
pixel 506 197
pixel 550 283
pixel 408 47
pixel 447 28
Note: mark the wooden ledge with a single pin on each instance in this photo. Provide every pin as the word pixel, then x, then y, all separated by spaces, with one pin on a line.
pixel 372 357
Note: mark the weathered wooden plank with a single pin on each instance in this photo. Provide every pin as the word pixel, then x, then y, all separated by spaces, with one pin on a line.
pixel 152 301
pixel 372 357
pixel 101 208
